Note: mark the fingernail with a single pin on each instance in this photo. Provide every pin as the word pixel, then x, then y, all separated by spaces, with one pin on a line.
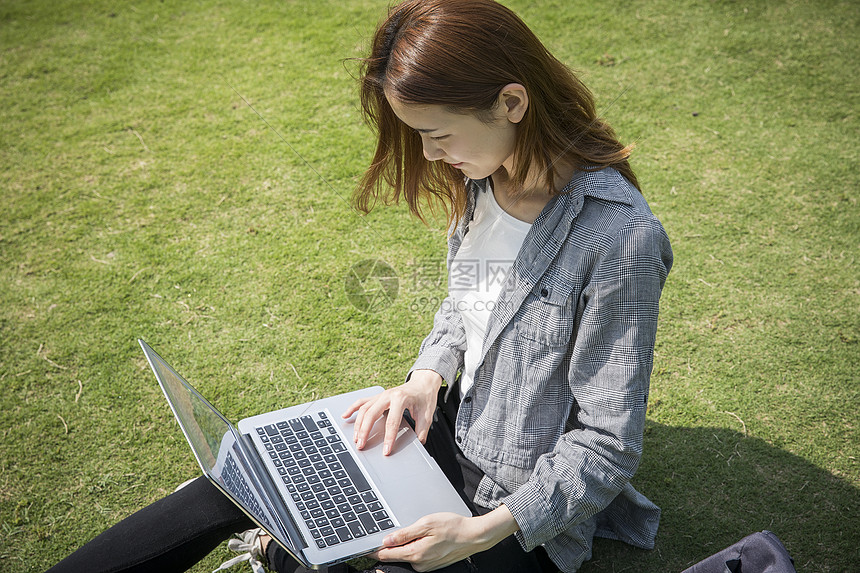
pixel 386 450
pixel 360 444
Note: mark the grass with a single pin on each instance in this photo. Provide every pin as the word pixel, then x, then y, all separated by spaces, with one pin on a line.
pixel 144 194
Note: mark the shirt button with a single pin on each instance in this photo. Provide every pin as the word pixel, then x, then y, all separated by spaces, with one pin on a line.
pixel 467 400
pixel 544 292
pixel 459 439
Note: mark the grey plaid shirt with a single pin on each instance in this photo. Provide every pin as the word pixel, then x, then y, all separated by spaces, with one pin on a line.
pixel 556 414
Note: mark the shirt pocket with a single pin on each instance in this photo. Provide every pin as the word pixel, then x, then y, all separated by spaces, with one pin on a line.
pixel 547 315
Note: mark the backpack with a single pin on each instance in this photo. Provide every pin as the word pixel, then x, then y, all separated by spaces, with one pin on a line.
pixel 760 552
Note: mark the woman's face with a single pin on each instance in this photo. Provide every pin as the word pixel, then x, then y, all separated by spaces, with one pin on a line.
pixel 473 146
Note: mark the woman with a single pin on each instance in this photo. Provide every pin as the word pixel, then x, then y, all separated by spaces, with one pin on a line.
pixel 546 338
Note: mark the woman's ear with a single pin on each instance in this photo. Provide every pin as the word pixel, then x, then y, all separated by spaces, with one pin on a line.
pixel 513 102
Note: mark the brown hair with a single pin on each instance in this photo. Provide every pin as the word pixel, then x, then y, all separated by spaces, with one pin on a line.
pixel 460 54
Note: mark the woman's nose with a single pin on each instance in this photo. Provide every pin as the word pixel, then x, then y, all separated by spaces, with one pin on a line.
pixel 431 150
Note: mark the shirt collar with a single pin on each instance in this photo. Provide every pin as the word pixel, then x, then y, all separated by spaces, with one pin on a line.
pixel 607 184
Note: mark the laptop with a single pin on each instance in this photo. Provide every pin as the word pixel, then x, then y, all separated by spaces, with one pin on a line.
pixel 297 474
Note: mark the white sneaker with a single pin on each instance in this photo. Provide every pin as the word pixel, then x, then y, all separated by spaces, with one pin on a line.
pixel 183 484
pixel 248 543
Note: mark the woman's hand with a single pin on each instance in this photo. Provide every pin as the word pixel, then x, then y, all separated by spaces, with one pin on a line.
pixel 418 395
pixel 441 539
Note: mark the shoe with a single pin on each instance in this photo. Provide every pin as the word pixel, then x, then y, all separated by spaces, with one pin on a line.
pixel 183 484
pixel 251 549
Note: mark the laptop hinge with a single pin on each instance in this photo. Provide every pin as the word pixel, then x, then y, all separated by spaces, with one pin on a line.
pixel 282 512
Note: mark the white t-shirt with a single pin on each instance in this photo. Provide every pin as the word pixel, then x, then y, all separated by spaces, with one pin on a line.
pixel 479 270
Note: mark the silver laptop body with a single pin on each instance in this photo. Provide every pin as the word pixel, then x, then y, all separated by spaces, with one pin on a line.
pixel 296 473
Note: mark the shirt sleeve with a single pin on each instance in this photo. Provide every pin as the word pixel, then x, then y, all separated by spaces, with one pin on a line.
pixel 443 349
pixel 609 374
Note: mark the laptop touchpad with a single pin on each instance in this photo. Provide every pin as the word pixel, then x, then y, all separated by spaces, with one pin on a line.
pixel 406 455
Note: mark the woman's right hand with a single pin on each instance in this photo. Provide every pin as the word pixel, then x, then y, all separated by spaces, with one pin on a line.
pixel 418 395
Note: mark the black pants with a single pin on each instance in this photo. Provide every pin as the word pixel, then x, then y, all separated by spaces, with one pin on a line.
pixel 174 533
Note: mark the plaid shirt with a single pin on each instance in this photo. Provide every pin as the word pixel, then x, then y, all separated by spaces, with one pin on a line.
pixel 556 415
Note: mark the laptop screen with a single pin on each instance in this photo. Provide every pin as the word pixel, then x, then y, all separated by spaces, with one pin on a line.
pixel 204 428
pixel 211 437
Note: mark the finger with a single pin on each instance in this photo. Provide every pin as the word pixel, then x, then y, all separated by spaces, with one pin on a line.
pixel 404 547
pixel 388 554
pixel 359 434
pixel 392 426
pixel 368 414
pixel 407 534
pixel 422 426
pixel 395 554
pixel 413 552
pixel 359 415
pixel 424 418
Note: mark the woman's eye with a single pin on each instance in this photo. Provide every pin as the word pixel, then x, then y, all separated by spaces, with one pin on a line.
pixel 439 138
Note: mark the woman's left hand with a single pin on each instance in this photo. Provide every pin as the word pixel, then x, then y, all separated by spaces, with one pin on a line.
pixel 441 539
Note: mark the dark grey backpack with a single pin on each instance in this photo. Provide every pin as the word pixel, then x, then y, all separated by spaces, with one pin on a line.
pixel 761 552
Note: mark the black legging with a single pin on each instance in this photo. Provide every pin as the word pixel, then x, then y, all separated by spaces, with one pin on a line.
pixel 177 531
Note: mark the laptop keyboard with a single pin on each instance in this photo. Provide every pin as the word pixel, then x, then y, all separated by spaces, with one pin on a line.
pixel 334 497
pixel 235 482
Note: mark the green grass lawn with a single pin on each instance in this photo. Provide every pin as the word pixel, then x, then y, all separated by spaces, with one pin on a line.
pixel 144 194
